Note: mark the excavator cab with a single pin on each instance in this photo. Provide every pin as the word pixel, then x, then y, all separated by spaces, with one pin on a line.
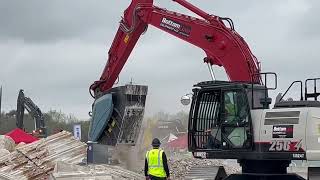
pixel 220 118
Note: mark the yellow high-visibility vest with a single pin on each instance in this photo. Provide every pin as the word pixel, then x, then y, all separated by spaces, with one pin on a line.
pixel 155 164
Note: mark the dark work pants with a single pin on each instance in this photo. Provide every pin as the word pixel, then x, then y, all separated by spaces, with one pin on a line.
pixel 156 178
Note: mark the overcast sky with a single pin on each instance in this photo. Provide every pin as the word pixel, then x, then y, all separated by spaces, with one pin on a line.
pixel 55 49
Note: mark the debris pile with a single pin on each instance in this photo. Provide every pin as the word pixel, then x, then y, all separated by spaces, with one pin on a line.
pixel 6 143
pixel 37 160
pixel 180 164
pixel 59 156
pixel 180 167
pixel 102 172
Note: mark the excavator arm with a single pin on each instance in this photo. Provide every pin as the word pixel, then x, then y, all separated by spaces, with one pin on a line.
pixel 222 45
pixel 23 103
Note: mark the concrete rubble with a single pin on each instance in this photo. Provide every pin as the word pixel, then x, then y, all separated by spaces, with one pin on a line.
pixel 180 164
pixel 37 160
pixel 59 156
pixel 4 152
pixel 180 167
pixel 6 143
pixel 65 171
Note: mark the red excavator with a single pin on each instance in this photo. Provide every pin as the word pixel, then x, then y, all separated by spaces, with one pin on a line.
pixel 227 120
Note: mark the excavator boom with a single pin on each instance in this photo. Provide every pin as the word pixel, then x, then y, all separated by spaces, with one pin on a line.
pixel 222 45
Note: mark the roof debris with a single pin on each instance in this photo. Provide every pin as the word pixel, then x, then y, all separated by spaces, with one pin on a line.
pixel 6 143
pixel 37 160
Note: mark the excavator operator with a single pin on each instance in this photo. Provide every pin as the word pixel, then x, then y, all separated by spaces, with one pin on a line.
pixel 156 165
pixel 229 109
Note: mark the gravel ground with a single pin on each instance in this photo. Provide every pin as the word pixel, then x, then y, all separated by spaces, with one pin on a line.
pixel 180 167
pixel 98 172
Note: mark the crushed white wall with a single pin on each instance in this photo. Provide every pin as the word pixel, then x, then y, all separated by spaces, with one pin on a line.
pixel 7 143
pixel 37 160
pixel 65 171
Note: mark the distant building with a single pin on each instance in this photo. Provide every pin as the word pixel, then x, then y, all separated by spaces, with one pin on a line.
pixel 163 129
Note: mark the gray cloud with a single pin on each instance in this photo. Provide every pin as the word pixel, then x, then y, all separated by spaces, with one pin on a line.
pixel 56 49
pixel 308 25
pixel 37 20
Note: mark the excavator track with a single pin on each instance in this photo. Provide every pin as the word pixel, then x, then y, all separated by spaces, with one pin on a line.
pixel 206 173
pixel 219 173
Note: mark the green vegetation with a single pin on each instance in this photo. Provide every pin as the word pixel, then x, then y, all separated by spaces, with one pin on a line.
pixel 55 121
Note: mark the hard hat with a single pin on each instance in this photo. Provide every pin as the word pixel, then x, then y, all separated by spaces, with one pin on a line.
pixel 156 142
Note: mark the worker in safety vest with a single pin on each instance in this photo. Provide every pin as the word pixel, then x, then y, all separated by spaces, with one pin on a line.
pixel 156 165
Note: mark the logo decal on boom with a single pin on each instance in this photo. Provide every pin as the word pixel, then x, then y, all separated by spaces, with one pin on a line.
pixel 176 27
